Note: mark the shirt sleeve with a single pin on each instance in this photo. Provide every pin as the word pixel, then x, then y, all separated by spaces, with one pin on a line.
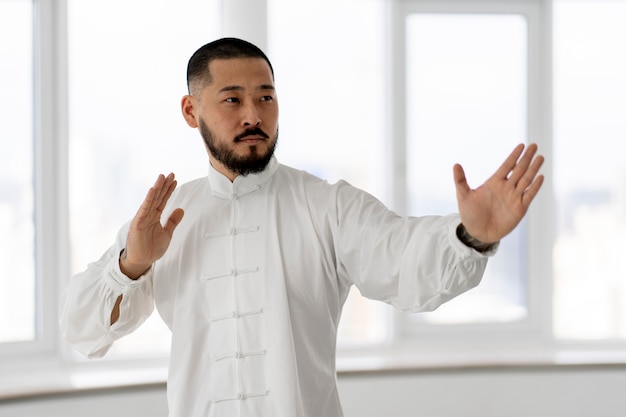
pixel 89 298
pixel 413 263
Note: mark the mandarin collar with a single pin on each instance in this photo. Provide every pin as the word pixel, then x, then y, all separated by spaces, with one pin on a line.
pixel 243 184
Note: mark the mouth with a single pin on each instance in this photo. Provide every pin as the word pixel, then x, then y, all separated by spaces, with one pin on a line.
pixel 252 136
pixel 251 140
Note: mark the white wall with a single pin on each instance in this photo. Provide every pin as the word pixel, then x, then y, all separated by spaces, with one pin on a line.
pixel 540 392
pixel 136 402
pixel 497 392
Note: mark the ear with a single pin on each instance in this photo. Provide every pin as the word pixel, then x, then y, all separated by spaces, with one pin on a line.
pixel 188 106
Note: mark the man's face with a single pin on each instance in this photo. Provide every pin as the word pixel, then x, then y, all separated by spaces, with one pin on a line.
pixel 237 115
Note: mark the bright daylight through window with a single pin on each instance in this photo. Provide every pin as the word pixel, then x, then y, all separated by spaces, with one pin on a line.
pixel 466 94
pixel 17 240
pixel 590 173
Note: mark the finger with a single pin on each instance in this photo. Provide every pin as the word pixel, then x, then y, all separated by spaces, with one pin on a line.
pixel 460 181
pixel 509 163
pixel 154 197
pixel 148 202
pixel 163 189
pixel 174 220
pixel 153 193
pixel 167 195
pixel 522 165
pixel 532 191
pixel 530 174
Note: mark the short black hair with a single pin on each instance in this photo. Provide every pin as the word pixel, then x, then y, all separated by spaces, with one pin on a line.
pixel 224 48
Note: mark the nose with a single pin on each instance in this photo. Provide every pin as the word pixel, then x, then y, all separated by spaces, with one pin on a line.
pixel 250 114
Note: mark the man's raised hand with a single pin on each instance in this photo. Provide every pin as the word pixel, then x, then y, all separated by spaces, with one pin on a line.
pixel 494 209
pixel 147 238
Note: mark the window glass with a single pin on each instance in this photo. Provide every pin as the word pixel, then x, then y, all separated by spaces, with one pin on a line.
pixel 466 101
pixel 127 75
pixel 17 237
pixel 589 169
pixel 330 76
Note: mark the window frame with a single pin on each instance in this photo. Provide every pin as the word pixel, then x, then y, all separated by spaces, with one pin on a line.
pixel 540 236
pixel 48 180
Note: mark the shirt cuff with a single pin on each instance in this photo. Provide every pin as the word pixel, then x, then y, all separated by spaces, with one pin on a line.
pixel 457 243
pixel 119 282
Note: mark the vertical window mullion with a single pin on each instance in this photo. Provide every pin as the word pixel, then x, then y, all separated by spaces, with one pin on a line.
pixel 50 138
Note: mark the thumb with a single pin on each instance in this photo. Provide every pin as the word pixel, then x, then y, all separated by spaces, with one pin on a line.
pixel 174 220
pixel 460 182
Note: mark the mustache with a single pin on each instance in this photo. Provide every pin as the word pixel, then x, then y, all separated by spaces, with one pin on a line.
pixel 251 132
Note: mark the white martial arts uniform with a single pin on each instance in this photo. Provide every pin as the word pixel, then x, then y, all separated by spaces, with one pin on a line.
pixel 253 284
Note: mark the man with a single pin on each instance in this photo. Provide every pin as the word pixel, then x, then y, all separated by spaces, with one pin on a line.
pixel 250 266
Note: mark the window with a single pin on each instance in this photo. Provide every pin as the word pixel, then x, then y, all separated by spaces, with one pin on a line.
pixel 470 81
pixel 126 78
pixel 589 170
pixel 466 95
pixel 17 240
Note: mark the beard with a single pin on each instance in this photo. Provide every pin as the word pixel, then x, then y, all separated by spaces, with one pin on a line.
pixel 253 163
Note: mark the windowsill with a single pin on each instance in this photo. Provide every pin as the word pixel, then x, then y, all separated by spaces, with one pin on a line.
pixel 403 361
pixel 46 379
pixel 54 379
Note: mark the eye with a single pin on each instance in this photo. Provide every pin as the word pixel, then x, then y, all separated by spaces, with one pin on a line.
pixel 232 100
pixel 267 98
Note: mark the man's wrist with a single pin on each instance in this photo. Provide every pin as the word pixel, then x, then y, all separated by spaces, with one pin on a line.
pixel 130 270
pixel 471 241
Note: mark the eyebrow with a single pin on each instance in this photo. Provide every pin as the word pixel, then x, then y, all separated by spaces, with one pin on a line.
pixel 239 88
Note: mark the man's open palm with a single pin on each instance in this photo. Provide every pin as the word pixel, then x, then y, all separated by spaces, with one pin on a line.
pixel 494 209
pixel 147 238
